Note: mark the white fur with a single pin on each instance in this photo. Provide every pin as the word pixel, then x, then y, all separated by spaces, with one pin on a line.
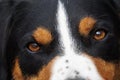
pixel 71 62
pixel 64 32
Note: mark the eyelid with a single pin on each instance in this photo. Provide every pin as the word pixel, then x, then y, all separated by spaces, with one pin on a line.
pixel 96 28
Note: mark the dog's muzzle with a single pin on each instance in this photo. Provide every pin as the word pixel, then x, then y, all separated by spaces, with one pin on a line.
pixel 75 67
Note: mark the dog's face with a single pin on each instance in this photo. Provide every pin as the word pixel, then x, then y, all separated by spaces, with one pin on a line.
pixel 64 40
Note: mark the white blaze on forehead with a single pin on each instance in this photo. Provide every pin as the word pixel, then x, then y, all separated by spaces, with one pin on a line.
pixel 66 41
pixel 71 65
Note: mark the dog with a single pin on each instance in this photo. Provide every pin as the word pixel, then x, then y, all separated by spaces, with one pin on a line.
pixel 60 40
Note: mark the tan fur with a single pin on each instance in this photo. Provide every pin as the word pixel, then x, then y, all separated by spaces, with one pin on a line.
pixel 109 70
pixel 117 71
pixel 17 73
pixel 42 36
pixel 86 25
pixel 43 74
pixel 106 69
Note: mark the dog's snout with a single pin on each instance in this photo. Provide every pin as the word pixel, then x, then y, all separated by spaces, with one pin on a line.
pixel 75 67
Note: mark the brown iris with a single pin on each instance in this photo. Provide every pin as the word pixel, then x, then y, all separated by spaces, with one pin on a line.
pixel 99 35
pixel 34 47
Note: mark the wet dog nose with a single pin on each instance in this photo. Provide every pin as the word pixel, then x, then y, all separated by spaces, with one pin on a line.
pixel 76 79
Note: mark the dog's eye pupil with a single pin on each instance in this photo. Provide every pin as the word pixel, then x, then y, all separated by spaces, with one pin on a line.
pixel 99 35
pixel 34 47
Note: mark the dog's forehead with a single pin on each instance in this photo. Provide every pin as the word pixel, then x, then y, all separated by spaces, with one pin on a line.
pixel 75 8
pixel 44 12
pixel 87 6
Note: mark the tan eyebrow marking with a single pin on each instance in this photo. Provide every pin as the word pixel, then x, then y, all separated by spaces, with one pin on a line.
pixel 42 35
pixel 86 25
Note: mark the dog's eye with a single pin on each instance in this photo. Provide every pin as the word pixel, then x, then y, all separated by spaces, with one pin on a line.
pixel 34 47
pixel 99 34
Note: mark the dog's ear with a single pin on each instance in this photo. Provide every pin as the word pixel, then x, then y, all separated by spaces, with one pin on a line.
pixel 9 11
pixel 6 10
